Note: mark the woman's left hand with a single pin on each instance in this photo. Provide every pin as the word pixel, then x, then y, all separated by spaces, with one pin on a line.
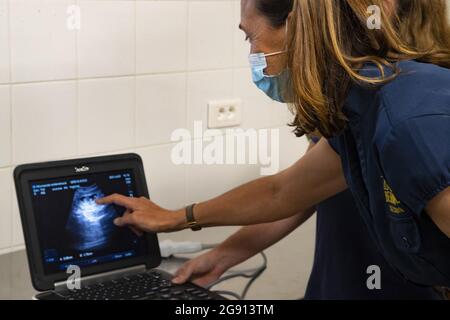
pixel 144 215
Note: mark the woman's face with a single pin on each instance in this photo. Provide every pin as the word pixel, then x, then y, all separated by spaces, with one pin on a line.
pixel 263 37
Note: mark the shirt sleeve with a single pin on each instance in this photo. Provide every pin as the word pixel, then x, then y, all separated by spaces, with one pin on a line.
pixel 415 159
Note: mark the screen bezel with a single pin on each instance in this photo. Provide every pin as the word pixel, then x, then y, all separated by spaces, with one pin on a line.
pixel 25 174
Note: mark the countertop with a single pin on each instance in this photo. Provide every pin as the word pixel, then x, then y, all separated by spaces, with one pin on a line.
pixel 15 281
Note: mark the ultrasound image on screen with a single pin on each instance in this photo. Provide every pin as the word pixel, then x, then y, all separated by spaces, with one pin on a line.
pixel 74 229
pixel 90 225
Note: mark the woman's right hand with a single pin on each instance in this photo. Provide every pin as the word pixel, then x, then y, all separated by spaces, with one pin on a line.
pixel 206 268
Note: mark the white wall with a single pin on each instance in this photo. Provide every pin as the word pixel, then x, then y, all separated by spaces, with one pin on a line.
pixel 135 71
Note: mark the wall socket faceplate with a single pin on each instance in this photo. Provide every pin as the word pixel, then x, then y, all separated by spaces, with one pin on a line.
pixel 224 113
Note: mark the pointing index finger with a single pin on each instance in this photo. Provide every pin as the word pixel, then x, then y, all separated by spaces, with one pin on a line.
pixel 120 200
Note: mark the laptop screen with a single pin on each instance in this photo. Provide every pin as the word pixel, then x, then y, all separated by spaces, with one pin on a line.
pixel 74 230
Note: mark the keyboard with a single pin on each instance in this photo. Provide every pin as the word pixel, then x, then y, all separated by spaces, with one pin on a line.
pixel 150 285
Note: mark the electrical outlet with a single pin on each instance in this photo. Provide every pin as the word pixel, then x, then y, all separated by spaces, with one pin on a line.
pixel 224 113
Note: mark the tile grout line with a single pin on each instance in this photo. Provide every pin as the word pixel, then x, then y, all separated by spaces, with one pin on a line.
pixel 77 85
pixel 11 123
pixel 156 145
pixel 186 94
pixel 11 149
pixel 124 75
pixel 135 93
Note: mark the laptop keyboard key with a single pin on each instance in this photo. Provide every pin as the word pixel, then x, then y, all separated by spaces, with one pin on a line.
pixel 148 285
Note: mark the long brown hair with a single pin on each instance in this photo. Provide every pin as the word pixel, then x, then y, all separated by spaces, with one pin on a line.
pixel 329 41
pixel 424 24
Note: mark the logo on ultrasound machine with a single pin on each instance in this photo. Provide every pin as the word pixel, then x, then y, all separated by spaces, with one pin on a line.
pixel 82 169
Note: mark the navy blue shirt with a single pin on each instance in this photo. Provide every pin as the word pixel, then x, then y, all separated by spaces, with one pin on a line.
pixel 343 252
pixel 395 154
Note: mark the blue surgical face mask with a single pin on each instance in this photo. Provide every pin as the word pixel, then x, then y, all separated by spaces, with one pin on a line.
pixel 273 86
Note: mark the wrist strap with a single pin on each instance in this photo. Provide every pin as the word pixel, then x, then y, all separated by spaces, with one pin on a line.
pixel 192 223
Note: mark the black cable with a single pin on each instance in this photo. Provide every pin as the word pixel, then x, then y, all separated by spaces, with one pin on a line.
pixel 253 277
pixel 228 293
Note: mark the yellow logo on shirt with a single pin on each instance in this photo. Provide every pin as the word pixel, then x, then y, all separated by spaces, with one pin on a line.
pixel 391 200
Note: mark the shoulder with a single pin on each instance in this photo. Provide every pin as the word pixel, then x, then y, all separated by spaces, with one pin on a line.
pixel 421 90
pixel 418 98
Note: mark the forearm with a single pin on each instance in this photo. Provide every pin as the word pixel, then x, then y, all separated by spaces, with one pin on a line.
pixel 314 178
pixel 249 204
pixel 248 241
pixel 439 211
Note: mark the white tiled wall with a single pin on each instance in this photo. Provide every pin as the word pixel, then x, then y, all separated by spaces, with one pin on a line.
pixel 161 36
pixel 134 72
pixel 5 72
pixel 43 121
pixel 5 126
pixel 106 114
pixel 41 48
pixel 154 93
pixel 5 207
pixel 107 39
pixel 213 50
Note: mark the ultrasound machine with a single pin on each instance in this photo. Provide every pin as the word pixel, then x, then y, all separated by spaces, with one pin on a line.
pixel 65 230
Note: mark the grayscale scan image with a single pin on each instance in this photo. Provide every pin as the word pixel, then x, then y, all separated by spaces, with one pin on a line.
pixel 90 225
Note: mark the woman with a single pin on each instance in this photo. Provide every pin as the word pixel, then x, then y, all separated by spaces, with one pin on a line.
pixel 382 111
pixel 343 248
